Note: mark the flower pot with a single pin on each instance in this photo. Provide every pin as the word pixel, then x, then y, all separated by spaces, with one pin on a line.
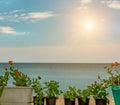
pixel 16 94
pixel 116 95
pixel 69 102
pixel 51 101
pixel 34 97
pixel 101 101
pixel 81 102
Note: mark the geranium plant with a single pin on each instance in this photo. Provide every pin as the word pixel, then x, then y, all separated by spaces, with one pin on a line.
pixel 114 75
pixel 19 78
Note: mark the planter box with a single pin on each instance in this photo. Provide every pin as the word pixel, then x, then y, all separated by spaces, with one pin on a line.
pixel 16 103
pixel 116 94
pixel 16 94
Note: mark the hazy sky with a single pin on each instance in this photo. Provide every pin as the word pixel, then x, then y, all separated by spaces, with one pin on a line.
pixel 60 30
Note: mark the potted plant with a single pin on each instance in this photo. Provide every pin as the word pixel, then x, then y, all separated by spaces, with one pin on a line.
pixel 38 99
pixel 98 90
pixel 113 81
pixel 83 96
pixel 22 92
pixel 52 92
pixel 70 95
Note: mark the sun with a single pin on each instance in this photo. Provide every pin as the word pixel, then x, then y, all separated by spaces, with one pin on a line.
pixel 89 25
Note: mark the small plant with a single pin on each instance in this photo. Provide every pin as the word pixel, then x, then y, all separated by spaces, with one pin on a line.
pixel 38 89
pixel 71 93
pixel 52 89
pixel 83 94
pixel 98 90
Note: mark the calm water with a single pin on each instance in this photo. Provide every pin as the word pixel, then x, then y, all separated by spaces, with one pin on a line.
pixel 68 74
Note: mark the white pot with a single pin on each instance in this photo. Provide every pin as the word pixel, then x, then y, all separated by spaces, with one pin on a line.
pixel 16 94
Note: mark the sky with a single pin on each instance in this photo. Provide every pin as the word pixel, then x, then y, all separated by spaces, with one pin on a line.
pixel 63 31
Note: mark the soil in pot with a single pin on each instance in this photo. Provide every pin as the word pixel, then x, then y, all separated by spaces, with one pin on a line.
pixel 51 101
pixel 101 101
pixel 69 102
pixel 81 102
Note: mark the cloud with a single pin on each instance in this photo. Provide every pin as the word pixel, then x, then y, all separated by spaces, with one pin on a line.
pixel 39 15
pixel 1 18
pixel 115 4
pixel 10 31
pixel 21 15
pixel 86 1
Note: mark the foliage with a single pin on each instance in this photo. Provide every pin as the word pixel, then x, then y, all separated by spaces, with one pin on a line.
pixel 3 80
pixel 98 90
pixel 19 78
pixel 114 75
pixel 83 94
pixel 38 89
pixel 71 93
pixel 52 89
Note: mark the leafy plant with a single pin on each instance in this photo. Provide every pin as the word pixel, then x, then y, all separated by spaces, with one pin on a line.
pixel 71 93
pixel 52 89
pixel 98 90
pixel 38 89
pixel 83 94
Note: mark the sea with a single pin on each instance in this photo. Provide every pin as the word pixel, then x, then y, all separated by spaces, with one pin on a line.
pixel 79 75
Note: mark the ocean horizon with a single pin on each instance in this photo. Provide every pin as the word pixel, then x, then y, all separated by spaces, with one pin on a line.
pixel 67 74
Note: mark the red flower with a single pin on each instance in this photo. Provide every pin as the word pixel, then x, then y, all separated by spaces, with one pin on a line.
pixel 5 68
pixel 18 72
pixel 10 62
pixel 114 64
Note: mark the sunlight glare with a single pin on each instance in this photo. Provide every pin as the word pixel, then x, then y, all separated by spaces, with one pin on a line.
pixel 89 25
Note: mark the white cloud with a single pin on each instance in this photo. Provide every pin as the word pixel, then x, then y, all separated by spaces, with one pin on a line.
pixel 115 4
pixel 39 15
pixel 10 31
pixel 86 1
pixel 21 15
pixel 1 18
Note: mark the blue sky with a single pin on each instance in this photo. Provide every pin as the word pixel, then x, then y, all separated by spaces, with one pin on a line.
pixel 60 30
